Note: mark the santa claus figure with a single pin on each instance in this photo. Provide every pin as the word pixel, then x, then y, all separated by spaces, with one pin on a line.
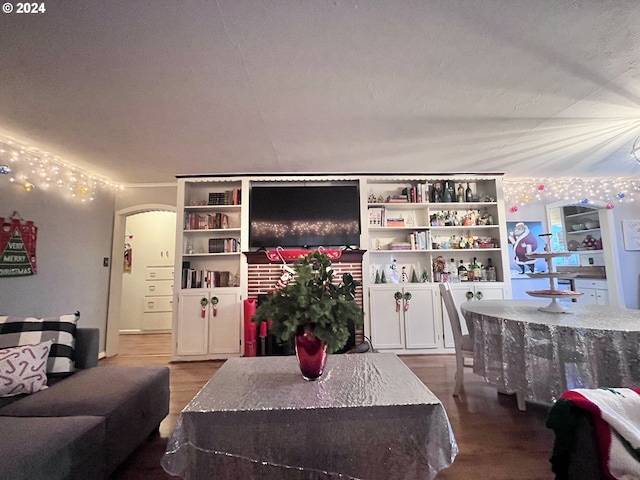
pixel 524 242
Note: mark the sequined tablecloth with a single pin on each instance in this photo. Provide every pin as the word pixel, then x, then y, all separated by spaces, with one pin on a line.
pixel 367 417
pixel 521 349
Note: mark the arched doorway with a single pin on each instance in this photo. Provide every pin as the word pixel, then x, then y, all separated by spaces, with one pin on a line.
pixel 116 280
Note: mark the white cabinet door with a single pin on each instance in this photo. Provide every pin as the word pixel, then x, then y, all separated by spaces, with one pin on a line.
pixel 212 332
pixel 193 327
pixel 403 325
pixel 594 292
pixel 420 317
pixel 603 297
pixel 224 323
pixel 387 329
pixel 588 297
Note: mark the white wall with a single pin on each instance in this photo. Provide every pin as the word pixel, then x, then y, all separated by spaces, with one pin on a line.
pixel 73 239
pixel 628 261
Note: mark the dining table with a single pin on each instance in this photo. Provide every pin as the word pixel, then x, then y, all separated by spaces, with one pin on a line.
pixel 368 417
pixel 538 355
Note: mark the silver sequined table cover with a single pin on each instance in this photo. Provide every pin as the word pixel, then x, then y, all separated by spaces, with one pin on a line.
pixel 521 349
pixel 368 417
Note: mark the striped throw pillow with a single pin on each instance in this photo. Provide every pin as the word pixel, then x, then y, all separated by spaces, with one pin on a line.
pixel 18 331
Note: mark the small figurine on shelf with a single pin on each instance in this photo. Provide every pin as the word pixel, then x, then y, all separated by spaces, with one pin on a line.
pixel 425 276
pixel 404 277
pixel 414 276
pixel 394 272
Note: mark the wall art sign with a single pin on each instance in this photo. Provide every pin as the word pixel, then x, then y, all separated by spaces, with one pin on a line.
pixel 631 234
pixel 17 247
pixel 524 238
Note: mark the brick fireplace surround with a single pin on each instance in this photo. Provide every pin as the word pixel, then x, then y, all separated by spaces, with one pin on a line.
pixel 264 273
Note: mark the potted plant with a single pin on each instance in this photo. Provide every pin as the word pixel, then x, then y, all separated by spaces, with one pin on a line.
pixel 313 310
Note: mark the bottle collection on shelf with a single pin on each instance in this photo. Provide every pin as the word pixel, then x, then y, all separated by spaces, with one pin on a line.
pixel 443 271
pixel 436 192
pixel 453 272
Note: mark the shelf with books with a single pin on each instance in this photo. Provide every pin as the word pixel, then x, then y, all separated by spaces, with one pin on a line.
pixel 210 263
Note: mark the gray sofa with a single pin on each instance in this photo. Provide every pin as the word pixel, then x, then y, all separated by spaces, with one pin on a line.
pixel 85 425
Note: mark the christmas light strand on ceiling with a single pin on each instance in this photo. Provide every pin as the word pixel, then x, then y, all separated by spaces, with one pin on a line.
pixel 33 169
pixel 578 190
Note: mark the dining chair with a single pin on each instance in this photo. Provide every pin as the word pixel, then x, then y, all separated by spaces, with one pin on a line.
pixel 462 342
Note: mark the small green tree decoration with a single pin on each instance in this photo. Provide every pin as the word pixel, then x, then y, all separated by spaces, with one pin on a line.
pixel 414 276
pixel 425 276
pixel 313 299
pixel 383 279
pixel 377 276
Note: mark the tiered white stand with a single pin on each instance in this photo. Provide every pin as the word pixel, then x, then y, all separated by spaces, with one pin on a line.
pixel 553 293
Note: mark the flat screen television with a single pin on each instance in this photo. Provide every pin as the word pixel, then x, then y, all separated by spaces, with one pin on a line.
pixel 304 216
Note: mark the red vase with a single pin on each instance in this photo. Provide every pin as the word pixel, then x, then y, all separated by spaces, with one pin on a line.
pixel 311 353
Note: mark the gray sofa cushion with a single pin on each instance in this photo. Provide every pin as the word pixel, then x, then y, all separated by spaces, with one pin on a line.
pixel 42 448
pixel 133 401
pixel 86 356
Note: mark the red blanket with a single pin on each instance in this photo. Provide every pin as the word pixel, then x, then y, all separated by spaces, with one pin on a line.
pixel 616 417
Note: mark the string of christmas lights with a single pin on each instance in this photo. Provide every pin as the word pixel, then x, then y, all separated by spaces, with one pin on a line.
pixel 32 169
pixel 578 190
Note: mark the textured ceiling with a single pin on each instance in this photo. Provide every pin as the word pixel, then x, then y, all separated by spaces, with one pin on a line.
pixel 141 91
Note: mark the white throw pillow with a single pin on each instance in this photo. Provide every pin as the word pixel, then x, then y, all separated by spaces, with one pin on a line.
pixel 24 369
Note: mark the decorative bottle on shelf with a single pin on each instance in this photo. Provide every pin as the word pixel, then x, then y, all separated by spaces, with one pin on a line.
pixel 460 196
pixel 491 271
pixel 477 271
pixel 462 272
pixel 447 193
pixel 453 272
pixel 468 194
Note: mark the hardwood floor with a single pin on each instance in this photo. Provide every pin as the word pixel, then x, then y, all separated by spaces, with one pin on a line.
pixel 496 440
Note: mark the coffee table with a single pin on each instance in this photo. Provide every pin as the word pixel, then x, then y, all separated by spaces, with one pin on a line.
pixel 369 417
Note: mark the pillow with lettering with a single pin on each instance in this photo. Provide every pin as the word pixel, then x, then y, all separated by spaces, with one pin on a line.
pixel 24 369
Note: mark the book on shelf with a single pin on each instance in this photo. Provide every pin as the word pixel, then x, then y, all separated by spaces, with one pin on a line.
pixel 223 245
pixel 210 221
pixel 192 278
pixel 394 222
pixel 423 193
pixel 419 240
pixel 418 193
pixel 376 216
pixel 397 199
pixel 228 197
pixel 400 246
